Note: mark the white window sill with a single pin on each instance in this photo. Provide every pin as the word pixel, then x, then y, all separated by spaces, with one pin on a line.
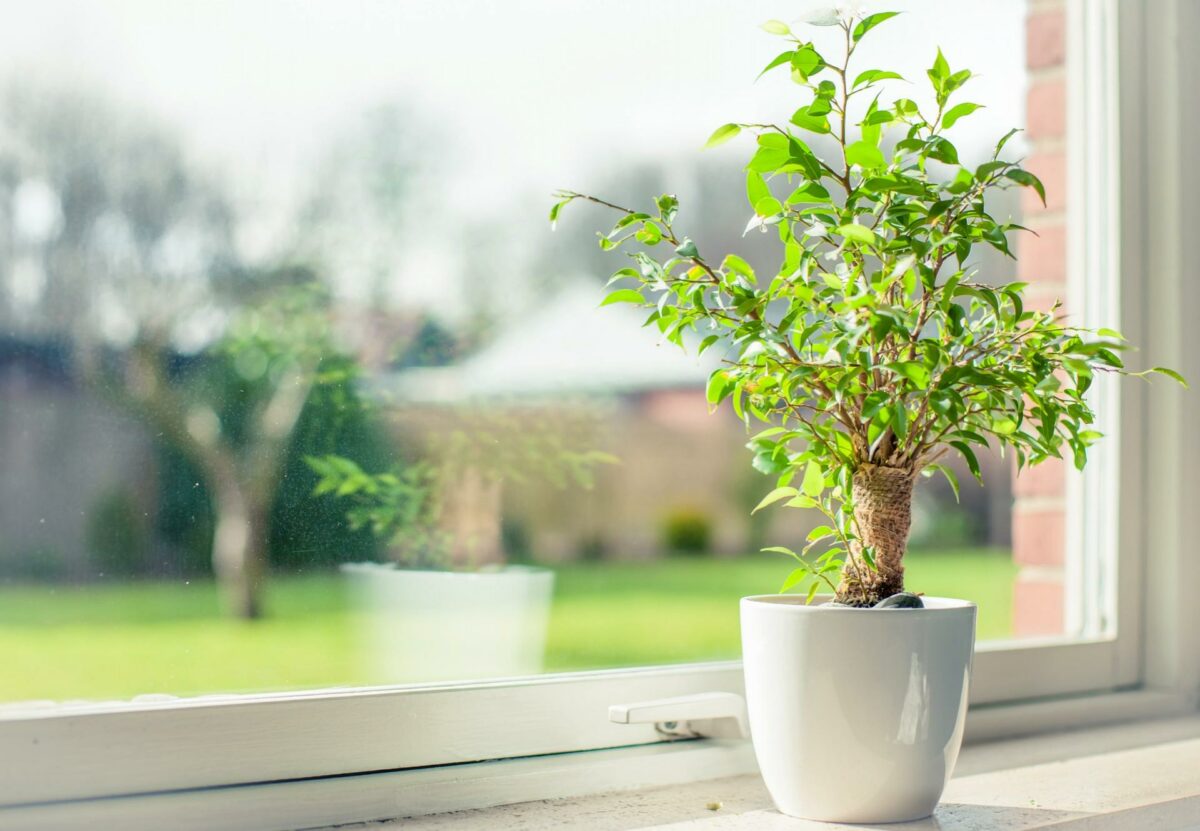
pixel 1135 773
pixel 1133 776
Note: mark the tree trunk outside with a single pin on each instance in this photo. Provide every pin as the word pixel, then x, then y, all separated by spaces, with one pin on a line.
pixel 239 544
pixel 882 517
pixel 471 514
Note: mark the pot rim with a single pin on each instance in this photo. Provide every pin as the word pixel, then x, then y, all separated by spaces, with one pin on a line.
pixel 392 570
pixel 794 604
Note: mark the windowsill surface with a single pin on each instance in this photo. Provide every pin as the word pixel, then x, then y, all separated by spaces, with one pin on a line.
pixel 1132 776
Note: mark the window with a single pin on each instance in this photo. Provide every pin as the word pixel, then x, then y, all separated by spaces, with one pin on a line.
pixel 244 269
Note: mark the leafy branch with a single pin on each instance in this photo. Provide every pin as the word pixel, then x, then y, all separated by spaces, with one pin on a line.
pixel 874 349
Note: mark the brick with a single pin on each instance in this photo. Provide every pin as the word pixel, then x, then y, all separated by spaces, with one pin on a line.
pixel 1046 39
pixel 1039 534
pixel 1039 523
pixel 1047 480
pixel 1051 168
pixel 1038 603
pixel 685 409
pixel 1046 109
pixel 1042 297
pixel 1043 258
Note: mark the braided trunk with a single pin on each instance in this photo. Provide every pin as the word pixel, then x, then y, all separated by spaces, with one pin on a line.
pixel 882 514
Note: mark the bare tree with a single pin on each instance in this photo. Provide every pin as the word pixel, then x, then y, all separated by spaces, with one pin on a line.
pixel 120 246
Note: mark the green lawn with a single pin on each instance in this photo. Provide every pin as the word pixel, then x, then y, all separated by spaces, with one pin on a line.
pixel 121 640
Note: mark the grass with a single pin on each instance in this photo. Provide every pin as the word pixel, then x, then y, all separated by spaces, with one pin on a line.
pixel 121 640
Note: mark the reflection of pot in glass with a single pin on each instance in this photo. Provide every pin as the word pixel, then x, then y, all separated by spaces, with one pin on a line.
pixel 448 607
pixel 420 626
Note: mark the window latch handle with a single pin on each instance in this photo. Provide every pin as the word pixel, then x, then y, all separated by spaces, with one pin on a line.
pixel 716 715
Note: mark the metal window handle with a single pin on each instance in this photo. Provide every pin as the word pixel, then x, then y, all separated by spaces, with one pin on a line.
pixel 717 715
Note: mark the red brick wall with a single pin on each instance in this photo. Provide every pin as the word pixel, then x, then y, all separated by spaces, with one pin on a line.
pixel 1039 508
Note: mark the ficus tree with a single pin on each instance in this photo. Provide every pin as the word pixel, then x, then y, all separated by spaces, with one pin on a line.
pixel 875 349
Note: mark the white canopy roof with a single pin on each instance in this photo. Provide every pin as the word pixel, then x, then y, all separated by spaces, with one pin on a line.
pixel 568 346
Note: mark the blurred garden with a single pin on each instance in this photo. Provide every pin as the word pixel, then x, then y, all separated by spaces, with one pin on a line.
pixel 125 639
pixel 194 326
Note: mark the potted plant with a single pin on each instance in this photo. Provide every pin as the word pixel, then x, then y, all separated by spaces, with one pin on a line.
pixel 446 605
pixel 872 352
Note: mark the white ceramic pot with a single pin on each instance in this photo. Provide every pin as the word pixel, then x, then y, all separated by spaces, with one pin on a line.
pixel 856 714
pixel 420 626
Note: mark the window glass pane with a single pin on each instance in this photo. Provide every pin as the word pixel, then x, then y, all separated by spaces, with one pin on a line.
pixel 279 301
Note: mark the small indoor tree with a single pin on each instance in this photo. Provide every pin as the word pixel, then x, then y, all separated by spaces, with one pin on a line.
pixel 875 349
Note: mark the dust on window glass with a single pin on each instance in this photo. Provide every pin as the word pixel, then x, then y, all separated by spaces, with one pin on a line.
pixel 301 391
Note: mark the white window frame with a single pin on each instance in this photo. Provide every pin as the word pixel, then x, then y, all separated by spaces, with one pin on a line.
pixel 354 754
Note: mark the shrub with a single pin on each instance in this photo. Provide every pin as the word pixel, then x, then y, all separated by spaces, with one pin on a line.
pixel 687 531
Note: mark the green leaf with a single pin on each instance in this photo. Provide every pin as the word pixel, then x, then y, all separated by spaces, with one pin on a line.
pixel 719 386
pixel 864 154
pixel 668 206
pixel 649 234
pixel 950 477
pixel 756 187
pixel 871 76
pixel 915 372
pixel 820 533
pixel 768 159
pixel 874 402
pixel 808 192
pixel 814 480
pixel 722 134
pixel 969 456
pixel 623 296
pixel 775 496
pixel 1004 426
pixel 739 266
pixel 942 150
pixel 942 402
pixel 879 424
pixel 1024 177
pixel 779 549
pixel 857 233
pixel 868 555
pixel 805 62
pixel 795 577
pixel 812 592
pixel 958 111
pixel 870 22
pixel 876 118
pixel 768 206
pixel 1172 374
pixel 806 119
pixel 1004 140
pixel 687 249
pixel 940 71
pixel 780 60
pixel 776 27
pixel 554 211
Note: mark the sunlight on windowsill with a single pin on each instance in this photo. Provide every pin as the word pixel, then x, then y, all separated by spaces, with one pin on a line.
pixel 1132 776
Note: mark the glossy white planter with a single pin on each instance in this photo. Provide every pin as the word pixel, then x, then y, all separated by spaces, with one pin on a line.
pixel 856 714
pixel 420 626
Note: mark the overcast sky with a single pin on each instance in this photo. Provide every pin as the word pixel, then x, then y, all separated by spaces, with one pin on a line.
pixel 524 95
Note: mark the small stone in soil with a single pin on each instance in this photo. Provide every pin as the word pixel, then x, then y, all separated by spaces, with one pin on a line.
pixel 902 600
